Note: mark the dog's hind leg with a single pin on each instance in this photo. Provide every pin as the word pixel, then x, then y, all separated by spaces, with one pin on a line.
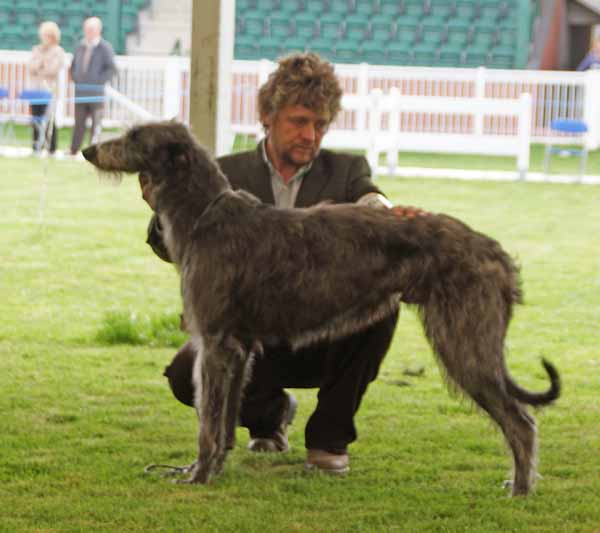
pixel 213 378
pixel 519 430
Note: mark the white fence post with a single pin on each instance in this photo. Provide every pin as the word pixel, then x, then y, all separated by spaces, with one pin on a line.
pixel 524 134
pixel 171 89
pixel 480 95
pixel 60 96
pixel 591 109
pixel 374 129
pixel 393 132
pixel 363 92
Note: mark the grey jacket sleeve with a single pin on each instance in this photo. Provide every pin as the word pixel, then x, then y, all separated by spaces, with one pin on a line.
pixel 360 181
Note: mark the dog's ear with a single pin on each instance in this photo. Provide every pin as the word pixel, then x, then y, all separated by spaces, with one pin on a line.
pixel 173 155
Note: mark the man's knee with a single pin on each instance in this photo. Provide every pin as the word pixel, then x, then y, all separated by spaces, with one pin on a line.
pixel 180 374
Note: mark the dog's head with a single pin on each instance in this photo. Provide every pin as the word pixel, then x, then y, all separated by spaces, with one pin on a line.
pixel 158 149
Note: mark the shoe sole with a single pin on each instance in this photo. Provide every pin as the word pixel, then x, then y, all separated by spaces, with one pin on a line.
pixel 333 471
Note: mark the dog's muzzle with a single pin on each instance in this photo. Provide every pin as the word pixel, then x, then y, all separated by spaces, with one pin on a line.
pixel 90 153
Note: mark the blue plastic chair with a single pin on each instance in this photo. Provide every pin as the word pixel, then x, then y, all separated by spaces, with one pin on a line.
pixel 575 131
pixel 4 128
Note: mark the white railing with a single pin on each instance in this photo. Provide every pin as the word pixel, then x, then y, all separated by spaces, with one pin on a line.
pixel 390 138
pixel 160 86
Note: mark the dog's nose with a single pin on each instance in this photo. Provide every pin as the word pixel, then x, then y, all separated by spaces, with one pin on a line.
pixel 90 153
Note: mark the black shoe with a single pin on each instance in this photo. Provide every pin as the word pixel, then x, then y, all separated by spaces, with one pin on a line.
pixel 278 441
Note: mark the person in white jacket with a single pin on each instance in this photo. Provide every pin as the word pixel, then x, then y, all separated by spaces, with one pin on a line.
pixel 47 60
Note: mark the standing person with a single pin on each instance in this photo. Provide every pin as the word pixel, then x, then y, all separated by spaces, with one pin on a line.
pixel 92 67
pixel 592 58
pixel 47 60
pixel 289 169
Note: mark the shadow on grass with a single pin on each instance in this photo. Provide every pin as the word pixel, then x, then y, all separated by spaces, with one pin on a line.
pixel 121 327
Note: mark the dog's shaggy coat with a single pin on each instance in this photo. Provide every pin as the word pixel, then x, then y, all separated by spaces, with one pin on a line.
pixel 251 273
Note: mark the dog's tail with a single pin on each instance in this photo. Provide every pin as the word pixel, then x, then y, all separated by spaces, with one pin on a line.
pixel 537 398
pixel 465 315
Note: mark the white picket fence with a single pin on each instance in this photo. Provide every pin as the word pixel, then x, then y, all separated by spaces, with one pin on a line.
pixel 436 108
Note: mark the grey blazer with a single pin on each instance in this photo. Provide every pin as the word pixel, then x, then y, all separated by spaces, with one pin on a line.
pixel 100 70
pixel 334 176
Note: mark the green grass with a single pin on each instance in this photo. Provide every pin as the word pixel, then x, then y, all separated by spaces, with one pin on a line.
pixel 81 416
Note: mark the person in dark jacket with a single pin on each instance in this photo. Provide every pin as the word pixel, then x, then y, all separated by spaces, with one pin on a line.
pixel 592 58
pixel 289 169
pixel 92 67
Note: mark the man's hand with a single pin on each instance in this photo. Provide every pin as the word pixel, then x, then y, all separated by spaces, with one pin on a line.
pixel 407 211
pixel 147 190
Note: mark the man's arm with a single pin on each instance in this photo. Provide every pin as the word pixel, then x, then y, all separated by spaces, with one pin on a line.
pixel 363 191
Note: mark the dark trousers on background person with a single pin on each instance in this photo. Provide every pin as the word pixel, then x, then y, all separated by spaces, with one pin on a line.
pixel 40 128
pixel 341 370
pixel 84 110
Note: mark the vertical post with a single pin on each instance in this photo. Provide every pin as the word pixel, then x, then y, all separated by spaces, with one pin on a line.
pixel 394 131
pixel 213 28
pixel 479 95
pixel 591 110
pixel 172 89
pixel 374 129
pixel 363 94
pixel 524 134
pixel 60 96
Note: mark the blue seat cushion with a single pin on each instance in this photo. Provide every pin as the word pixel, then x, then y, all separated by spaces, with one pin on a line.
pixel 567 125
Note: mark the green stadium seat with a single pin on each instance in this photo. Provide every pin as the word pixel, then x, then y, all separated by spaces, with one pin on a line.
pixel 295 44
pixel 269 48
pixel 407 27
pixel 433 29
pixel 365 7
pixel 458 31
pixel 483 37
pixel 267 6
pixel 373 52
pixel 442 8
pixel 475 56
pixel 449 55
pixel 424 54
pixel 331 26
pixel 341 7
pixel 390 8
pixel 27 16
pixel 254 23
pixel 279 25
pixel 322 46
pixel 346 51
pixel 243 5
pixel 356 27
pixel 305 25
pixel 399 53
pixel 4 17
pixel 245 47
pixel 466 9
pixel 316 7
pixel 291 6
pixel 382 28
pixel 502 57
pixel 413 8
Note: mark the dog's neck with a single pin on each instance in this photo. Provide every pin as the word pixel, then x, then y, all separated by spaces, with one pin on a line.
pixel 184 196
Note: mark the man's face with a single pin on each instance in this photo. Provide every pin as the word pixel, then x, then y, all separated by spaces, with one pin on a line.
pixel 295 134
pixel 91 31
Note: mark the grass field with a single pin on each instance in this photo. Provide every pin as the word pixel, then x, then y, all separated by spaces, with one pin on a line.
pixel 81 417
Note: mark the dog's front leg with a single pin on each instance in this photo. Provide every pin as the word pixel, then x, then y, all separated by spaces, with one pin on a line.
pixel 213 377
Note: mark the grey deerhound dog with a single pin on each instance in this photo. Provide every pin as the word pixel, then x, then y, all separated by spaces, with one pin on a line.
pixel 253 274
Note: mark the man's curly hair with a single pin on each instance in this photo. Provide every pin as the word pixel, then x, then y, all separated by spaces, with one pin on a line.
pixel 301 79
